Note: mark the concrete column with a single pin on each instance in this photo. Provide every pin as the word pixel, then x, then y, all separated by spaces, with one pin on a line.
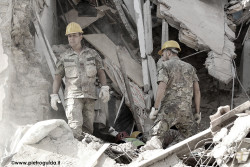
pixel 164 34
pixel 244 66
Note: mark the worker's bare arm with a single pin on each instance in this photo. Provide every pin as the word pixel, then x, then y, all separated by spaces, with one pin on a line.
pixel 102 77
pixel 160 93
pixel 57 83
pixel 197 96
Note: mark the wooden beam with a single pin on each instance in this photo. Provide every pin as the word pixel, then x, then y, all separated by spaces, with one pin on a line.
pixel 94 160
pixel 125 21
pixel 230 114
pixel 180 148
pixel 128 89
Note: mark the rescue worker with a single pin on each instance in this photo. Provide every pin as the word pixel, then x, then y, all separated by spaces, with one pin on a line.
pixel 79 65
pixel 177 81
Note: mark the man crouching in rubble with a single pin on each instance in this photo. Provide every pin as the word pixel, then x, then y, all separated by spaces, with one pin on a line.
pixel 177 81
pixel 80 65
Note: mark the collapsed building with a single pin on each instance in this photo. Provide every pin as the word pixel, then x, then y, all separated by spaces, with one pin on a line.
pixel 214 37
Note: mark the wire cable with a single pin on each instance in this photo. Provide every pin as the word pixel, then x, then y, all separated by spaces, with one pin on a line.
pixel 240 82
pixel 233 74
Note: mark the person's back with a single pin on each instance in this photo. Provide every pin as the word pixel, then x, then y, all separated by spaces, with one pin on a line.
pixel 181 76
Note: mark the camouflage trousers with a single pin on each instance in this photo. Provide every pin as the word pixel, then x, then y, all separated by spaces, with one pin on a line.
pixel 182 120
pixel 80 114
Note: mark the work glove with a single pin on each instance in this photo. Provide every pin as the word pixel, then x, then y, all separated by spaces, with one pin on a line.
pixel 104 94
pixel 54 100
pixel 197 117
pixel 153 113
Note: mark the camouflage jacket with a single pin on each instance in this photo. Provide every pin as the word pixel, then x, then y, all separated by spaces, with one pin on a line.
pixel 80 72
pixel 179 77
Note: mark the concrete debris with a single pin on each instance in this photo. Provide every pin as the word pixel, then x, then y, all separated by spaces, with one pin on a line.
pixel 213 34
pixel 220 135
pixel 72 16
pixel 152 144
pixel 209 33
pixel 220 111
pixel 180 164
pixel 243 4
pixel 221 66
pixel 50 142
pixel 242 156
pixel 226 147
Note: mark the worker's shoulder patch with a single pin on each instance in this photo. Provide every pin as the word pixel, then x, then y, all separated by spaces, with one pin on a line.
pixel 90 58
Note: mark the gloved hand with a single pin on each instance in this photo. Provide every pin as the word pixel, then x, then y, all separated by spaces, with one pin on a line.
pixel 197 117
pixel 153 113
pixel 104 94
pixel 54 100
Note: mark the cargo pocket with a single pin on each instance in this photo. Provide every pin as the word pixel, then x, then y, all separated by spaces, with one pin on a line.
pixel 71 70
pixel 69 108
pixel 91 68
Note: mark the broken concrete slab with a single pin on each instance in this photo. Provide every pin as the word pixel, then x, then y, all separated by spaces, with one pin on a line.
pixel 130 6
pixel 239 6
pixel 106 47
pixel 229 114
pixel 72 16
pixel 124 19
pixel 214 33
pixel 206 21
pixel 221 66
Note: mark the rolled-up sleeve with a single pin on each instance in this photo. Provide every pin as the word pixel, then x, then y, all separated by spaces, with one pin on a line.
pixel 98 60
pixel 60 68
pixel 195 77
pixel 162 76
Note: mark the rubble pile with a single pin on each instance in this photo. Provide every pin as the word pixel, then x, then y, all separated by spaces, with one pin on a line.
pixel 126 34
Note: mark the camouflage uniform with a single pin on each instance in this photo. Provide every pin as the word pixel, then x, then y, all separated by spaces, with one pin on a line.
pixel 176 104
pixel 80 94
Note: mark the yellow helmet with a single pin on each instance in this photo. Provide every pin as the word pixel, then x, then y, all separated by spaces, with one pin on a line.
pixel 135 134
pixel 171 45
pixel 73 28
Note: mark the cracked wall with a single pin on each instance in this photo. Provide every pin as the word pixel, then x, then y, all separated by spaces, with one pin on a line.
pixel 25 82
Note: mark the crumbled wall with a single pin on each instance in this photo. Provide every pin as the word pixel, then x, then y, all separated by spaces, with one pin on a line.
pixel 25 82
